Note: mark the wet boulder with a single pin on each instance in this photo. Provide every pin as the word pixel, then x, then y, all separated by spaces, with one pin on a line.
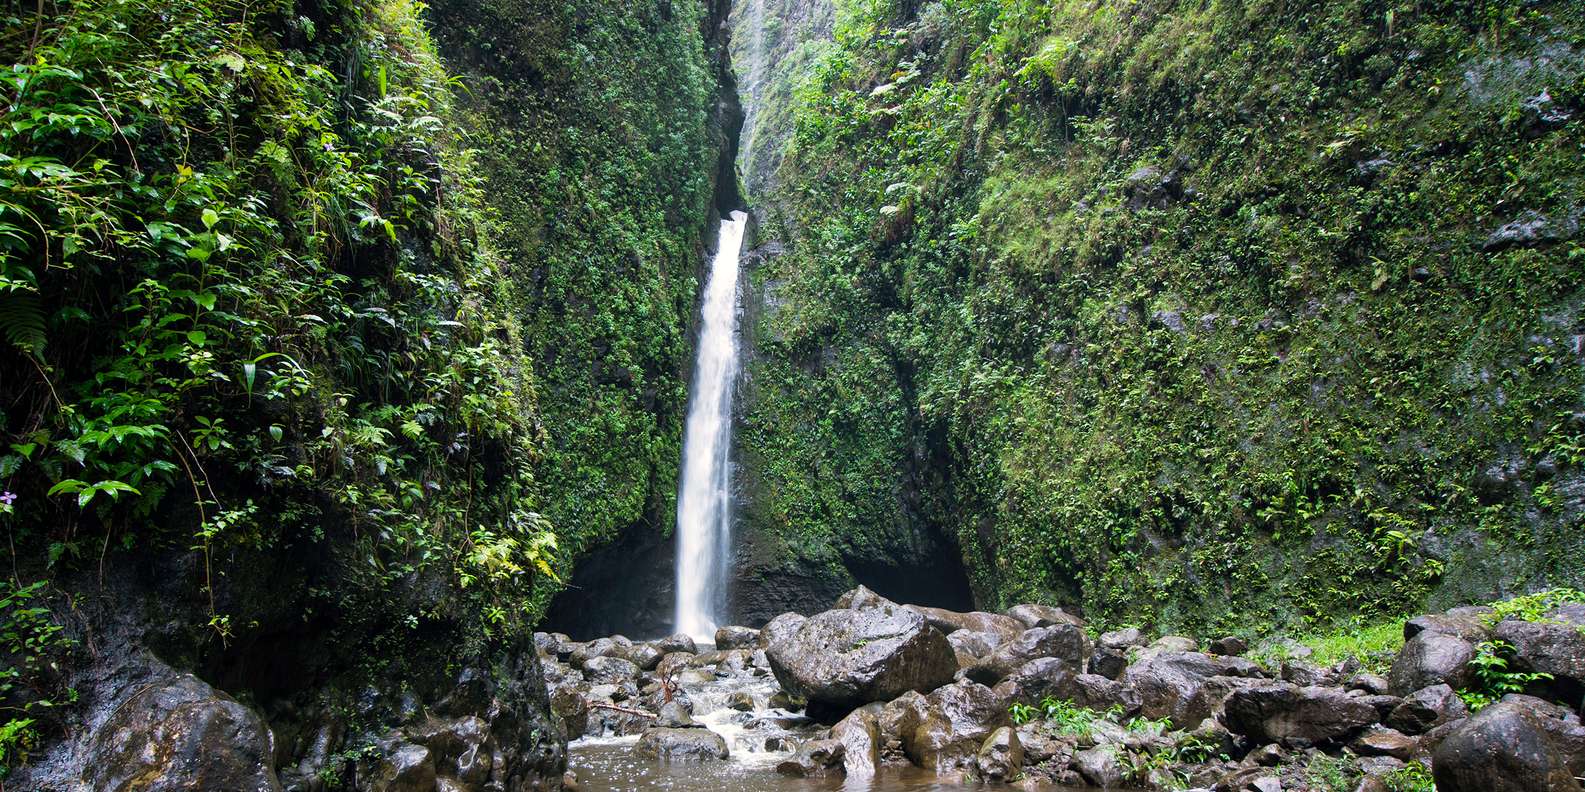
pixel 681 744
pixel 860 598
pixel 1001 756
pixel 1426 709
pixel 814 757
pixel 1037 679
pixel 734 637
pixel 645 656
pixel 779 628
pixel 404 768
pixel 948 622
pixel 1286 713
pixel 841 659
pixel 956 720
pixel 1467 626
pixel 1042 616
pixel 860 735
pixel 1385 742
pixel 615 646
pixel 1551 648
pixel 676 643
pixel 180 734
pixel 608 670
pixel 1066 643
pixel 1431 658
pixel 1101 766
pixel 1230 645
pixel 971 645
pixel 1519 744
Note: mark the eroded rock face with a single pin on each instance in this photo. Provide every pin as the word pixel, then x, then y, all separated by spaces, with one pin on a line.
pixel 843 658
pixel 860 735
pixel 1286 713
pixel 179 734
pixel 1507 747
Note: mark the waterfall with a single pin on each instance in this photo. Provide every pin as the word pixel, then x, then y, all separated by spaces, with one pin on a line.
pixel 704 497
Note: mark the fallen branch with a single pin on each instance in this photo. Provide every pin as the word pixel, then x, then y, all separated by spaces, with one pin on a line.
pixel 640 713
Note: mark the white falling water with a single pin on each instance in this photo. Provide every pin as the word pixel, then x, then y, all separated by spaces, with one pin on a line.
pixel 704 498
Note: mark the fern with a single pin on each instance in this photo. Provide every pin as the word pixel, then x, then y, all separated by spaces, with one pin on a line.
pixel 22 321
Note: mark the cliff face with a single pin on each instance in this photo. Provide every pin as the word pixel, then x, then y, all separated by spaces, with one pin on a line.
pixel 1181 312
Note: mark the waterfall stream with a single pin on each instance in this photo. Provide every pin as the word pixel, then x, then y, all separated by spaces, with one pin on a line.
pixel 704 496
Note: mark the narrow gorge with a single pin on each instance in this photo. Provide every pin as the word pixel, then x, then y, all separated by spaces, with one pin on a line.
pixel 792 395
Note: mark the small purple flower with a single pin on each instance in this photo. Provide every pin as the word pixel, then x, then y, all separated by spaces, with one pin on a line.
pixel 8 498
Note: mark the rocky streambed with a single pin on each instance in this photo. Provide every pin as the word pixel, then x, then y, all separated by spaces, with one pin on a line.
pixel 878 695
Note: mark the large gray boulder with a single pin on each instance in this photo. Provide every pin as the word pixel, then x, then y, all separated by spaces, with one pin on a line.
pixel 1519 744
pixel 1431 658
pixel 1066 643
pixel 781 627
pixel 1300 716
pixel 180 734
pixel 841 659
pixel 734 637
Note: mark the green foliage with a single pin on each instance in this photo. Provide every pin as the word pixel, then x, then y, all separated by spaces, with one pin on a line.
pixel 1373 645
pixel 1412 777
pixel 1534 607
pixel 273 312
pixel 30 639
pixel 1331 773
pixel 1182 311
pixel 1493 678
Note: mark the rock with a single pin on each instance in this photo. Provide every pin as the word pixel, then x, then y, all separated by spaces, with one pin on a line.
pixel 1373 684
pixel 1041 746
pixel 1384 704
pixel 567 704
pixel 861 598
pixel 676 643
pixel 741 701
pixel 675 714
pixel 1467 626
pixel 674 663
pixel 1431 658
pixel 1293 715
pixel 609 670
pixel 781 627
pixel 898 719
pixel 1174 643
pixel 645 656
pixel 1001 755
pixel 545 644
pixel 1426 709
pixel 461 748
pixel 949 622
pixel 407 768
pixel 1549 648
pixel 615 646
pixel 1506 747
pixel 1042 616
pixel 1174 684
pixel 969 646
pixel 860 735
pixel 1064 642
pixel 1099 693
pixel 1531 229
pixel 1100 766
pixel 1122 639
pixel 1109 662
pixel 681 744
pixel 180 734
pixel 955 722
pixel 1037 679
pixel 1385 742
pixel 814 757
pixel 841 659
pixel 736 638
pixel 1231 645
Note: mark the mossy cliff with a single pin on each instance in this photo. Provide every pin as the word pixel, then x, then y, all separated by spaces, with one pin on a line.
pixel 1218 315
pixel 312 351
